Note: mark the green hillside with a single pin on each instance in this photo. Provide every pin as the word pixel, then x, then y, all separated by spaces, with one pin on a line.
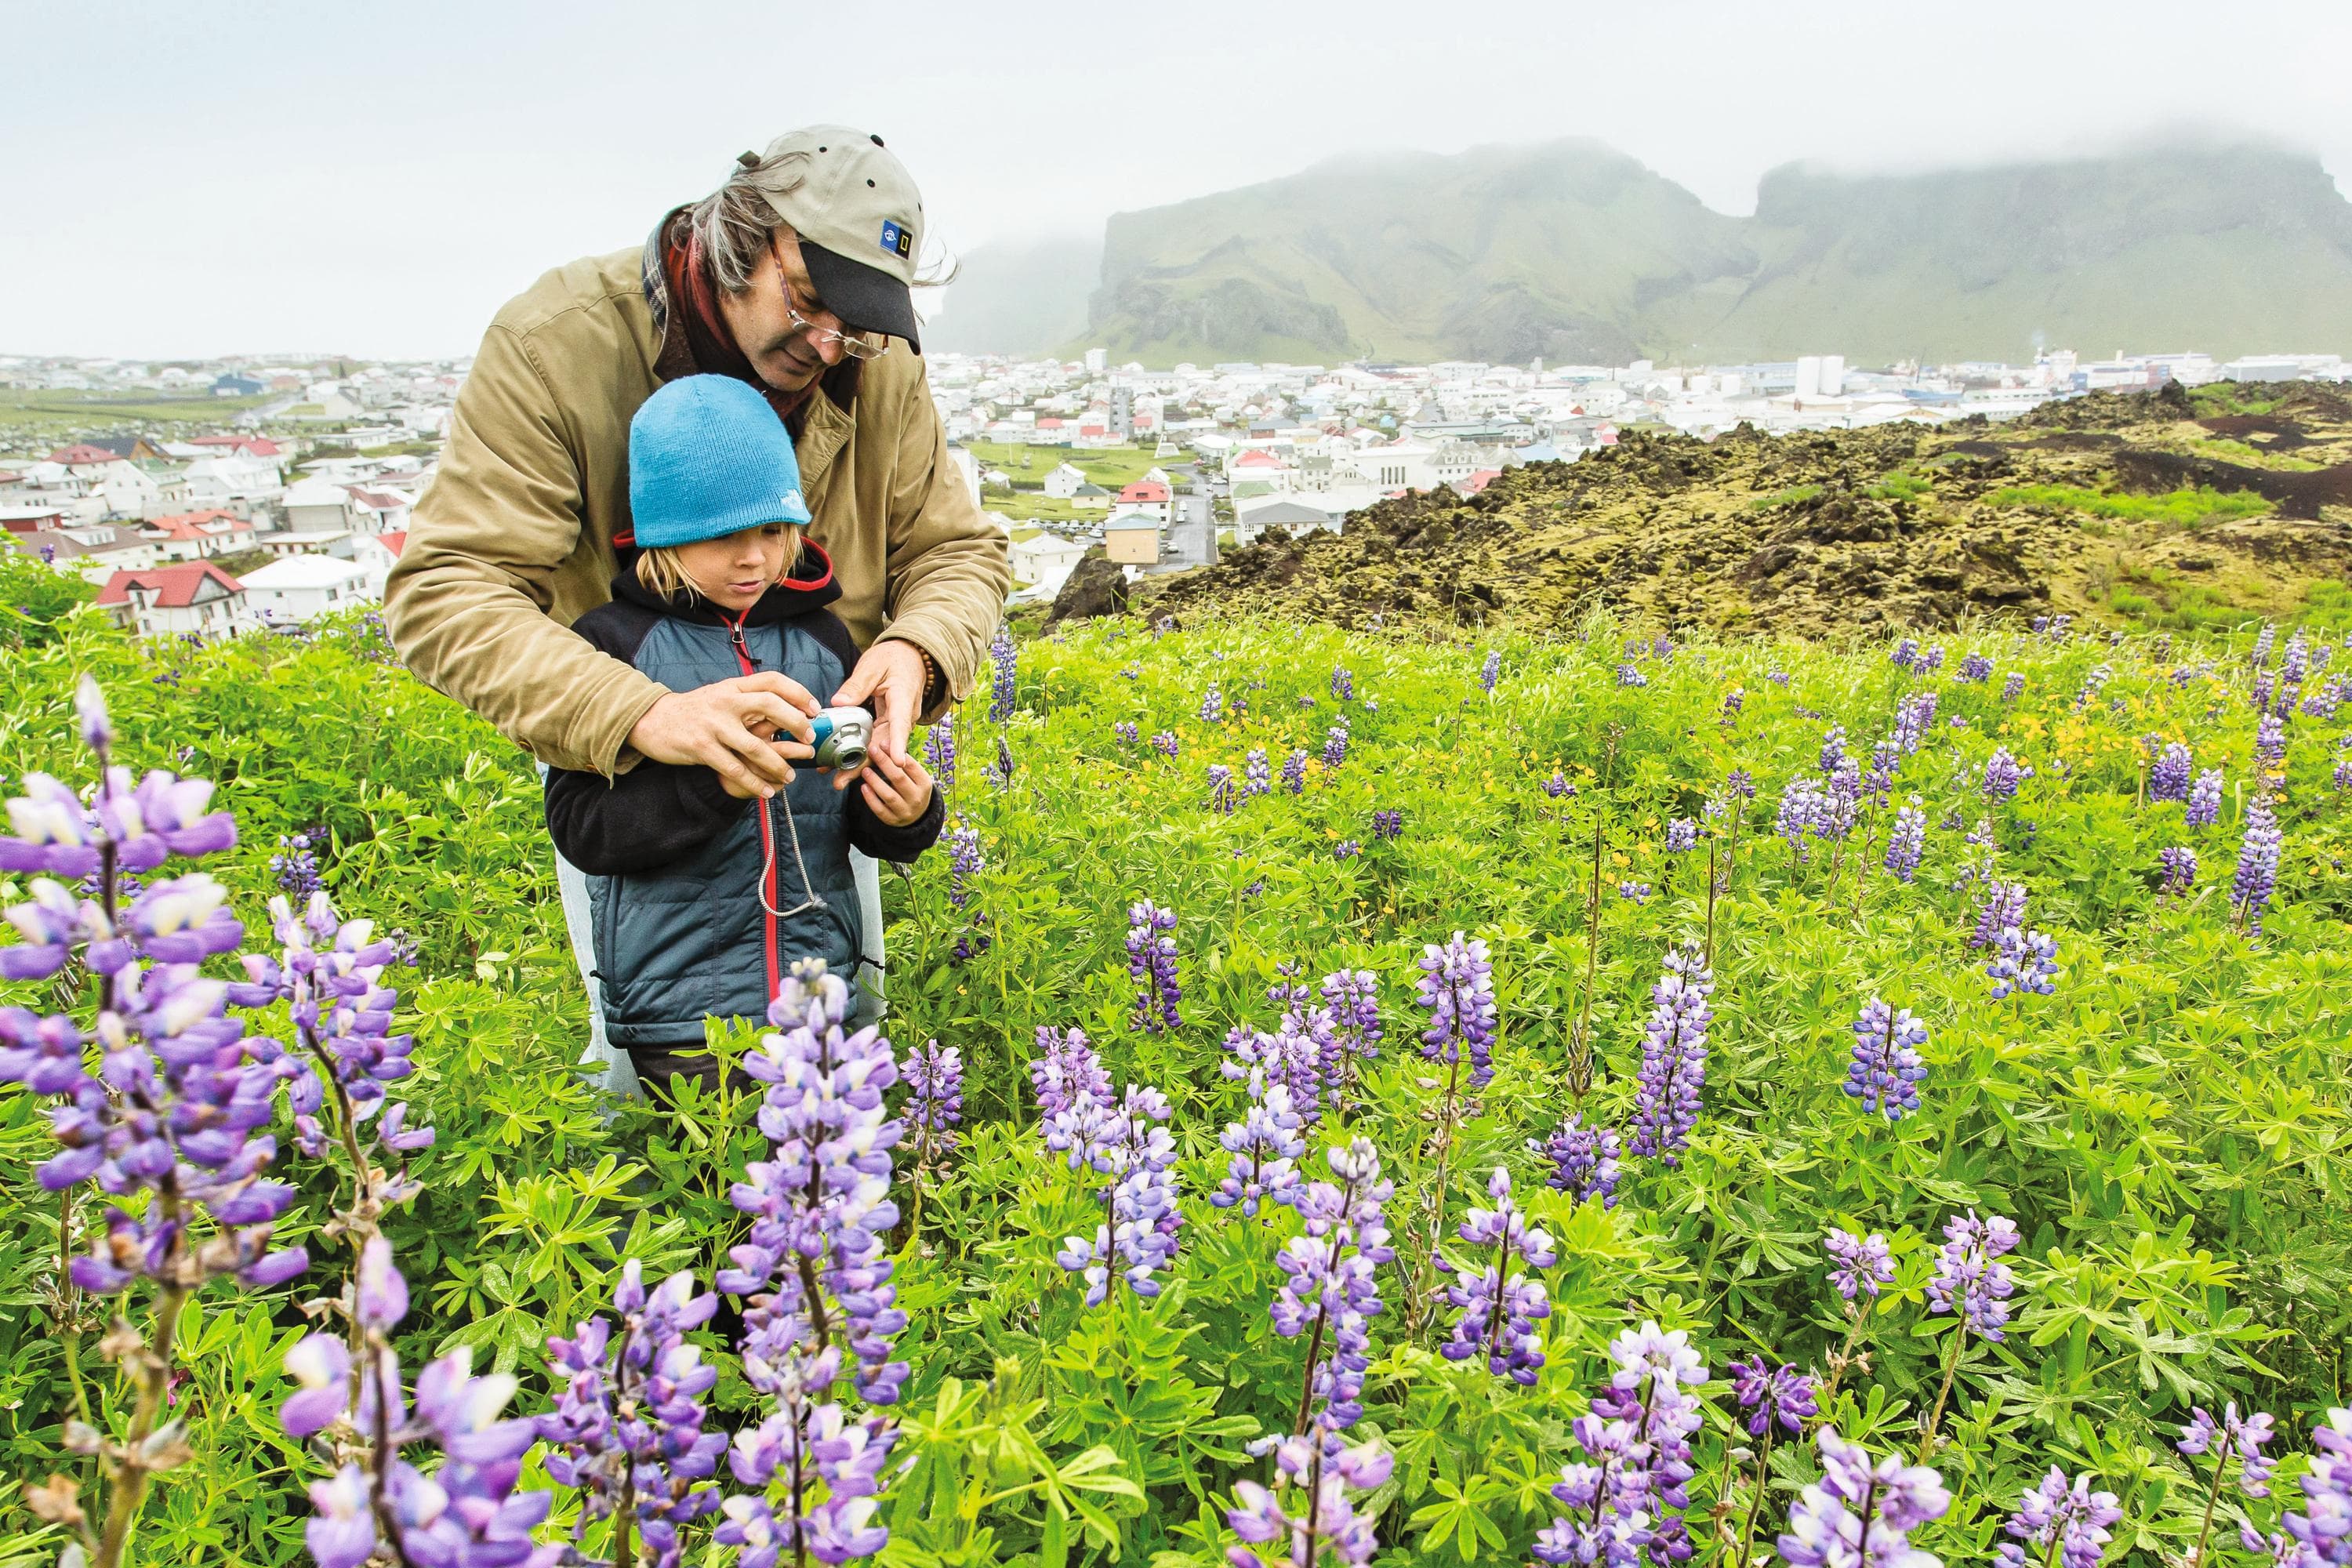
pixel 1574 252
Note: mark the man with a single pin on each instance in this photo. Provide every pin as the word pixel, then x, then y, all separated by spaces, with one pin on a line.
pixel 794 276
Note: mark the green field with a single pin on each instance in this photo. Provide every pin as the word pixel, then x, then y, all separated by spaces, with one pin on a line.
pixel 1113 468
pixel 1680 946
pixel 40 414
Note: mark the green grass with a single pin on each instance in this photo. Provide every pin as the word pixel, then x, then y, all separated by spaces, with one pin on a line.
pixel 2184 508
pixel 1026 506
pixel 2327 605
pixel 1788 497
pixel 53 413
pixel 2220 397
pixel 1113 468
pixel 2231 451
pixel 1900 486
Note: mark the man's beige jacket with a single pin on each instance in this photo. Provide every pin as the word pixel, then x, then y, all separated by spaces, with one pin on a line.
pixel 513 540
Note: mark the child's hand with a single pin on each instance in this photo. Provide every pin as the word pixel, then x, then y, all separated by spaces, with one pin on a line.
pixel 898 789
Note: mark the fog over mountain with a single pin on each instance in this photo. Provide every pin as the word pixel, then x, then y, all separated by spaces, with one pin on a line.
pixel 1572 251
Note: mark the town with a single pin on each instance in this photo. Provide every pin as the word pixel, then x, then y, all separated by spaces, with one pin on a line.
pixel 207 498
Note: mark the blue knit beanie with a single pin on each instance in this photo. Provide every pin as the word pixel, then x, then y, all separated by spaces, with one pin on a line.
pixel 709 458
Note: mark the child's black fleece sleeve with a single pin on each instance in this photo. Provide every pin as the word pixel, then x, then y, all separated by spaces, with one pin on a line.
pixel 871 836
pixel 644 819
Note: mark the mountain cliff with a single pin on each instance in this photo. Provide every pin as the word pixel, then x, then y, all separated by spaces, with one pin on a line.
pixel 1578 253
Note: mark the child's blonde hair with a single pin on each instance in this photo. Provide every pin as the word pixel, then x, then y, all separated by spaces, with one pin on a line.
pixel 659 569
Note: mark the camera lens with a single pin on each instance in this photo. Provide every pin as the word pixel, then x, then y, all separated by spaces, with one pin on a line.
pixel 850 754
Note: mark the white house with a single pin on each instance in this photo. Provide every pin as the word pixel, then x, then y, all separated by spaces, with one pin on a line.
pixel 192 598
pixel 1147 498
pixel 240 484
pixel 312 504
pixel 1044 561
pixel 1065 481
pixel 297 589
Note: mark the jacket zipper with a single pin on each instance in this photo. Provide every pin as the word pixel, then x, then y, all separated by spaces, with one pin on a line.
pixel 770 900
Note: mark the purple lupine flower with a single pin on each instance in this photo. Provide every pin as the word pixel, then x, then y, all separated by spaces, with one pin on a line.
pixel 1906 841
pixel 964 863
pixel 1969 1281
pixel 1674 1057
pixel 631 1412
pixel 2004 906
pixel 1586 1162
pixel 1681 834
pixel 1557 786
pixel 1221 789
pixel 1001 773
pixel 1649 1392
pixel 1294 771
pixel 1859 1264
pixel 1832 756
pixel 933 1075
pixel 1906 652
pixel 1893 1498
pixel 1003 686
pixel 1292 1057
pixel 1634 893
pixel 1137 1235
pixel 1975 668
pixel 1347 849
pixel 295 867
pixel 939 750
pixel 2231 1438
pixel 1630 675
pixel 1607 1495
pixel 1257 775
pixel 1330 1287
pixel 469 1511
pixel 2204 800
pixel 2098 676
pixel 329 971
pixel 1803 806
pixel 813 1266
pixel 1388 823
pixel 2063 1520
pixel 2167 778
pixel 1490 672
pixel 1733 700
pixel 1074 1092
pixel 2294 661
pixel 2342 777
pixel 1930 661
pixel 1886 1069
pixel 2264 640
pixel 2057 628
pixel 1353 1028
pixel 2001 775
pixel 1343 683
pixel 1499 1309
pixel 2270 741
pixel 1126 733
pixel 1151 962
pixel 1458 986
pixel 1773 1397
pixel 2265 685
pixel 2014 686
pixel 2323 1528
pixel 2024 959
pixel 1322 1528
pixel 1335 745
pixel 1914 718
pixel 1213 705
pixel 1165 742
pixel 2256 878
pixel 1885 760
pixel 1264 1148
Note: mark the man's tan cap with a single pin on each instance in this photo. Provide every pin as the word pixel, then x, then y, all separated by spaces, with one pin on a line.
pixel 859 218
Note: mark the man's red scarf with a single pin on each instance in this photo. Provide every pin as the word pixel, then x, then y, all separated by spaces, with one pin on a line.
pixel 695 302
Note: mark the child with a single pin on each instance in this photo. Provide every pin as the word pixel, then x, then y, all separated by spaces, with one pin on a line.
pixel 702 900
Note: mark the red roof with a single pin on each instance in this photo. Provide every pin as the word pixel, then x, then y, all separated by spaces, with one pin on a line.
pixel 209 514
pixel 1480 481
pixel 199 525
pixel 72 455
pixel 251 445
pixel 175 587
pixel 396 540
pixel 1256 458
pixel 1144 491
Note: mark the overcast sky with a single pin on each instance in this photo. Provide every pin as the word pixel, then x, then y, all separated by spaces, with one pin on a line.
pixel 375 179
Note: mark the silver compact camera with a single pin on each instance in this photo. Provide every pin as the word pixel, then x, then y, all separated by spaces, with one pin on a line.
pixel 842 737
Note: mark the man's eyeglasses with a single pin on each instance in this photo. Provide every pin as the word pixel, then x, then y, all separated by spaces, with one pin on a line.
pixel 854 345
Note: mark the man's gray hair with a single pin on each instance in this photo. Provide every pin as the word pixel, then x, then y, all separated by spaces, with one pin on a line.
pixel 734 222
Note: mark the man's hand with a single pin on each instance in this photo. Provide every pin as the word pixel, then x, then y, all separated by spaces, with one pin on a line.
pixel 727 726
pixel 892 675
